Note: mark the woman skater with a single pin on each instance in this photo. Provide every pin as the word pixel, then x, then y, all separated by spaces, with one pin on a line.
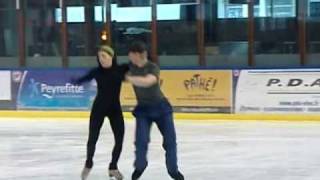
pixel 109 76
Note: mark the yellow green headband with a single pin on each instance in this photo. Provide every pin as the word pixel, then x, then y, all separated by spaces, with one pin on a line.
pixel 107 49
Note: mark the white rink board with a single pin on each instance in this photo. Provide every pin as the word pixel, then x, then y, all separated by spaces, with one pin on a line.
pixel 5 85
pixel 278 91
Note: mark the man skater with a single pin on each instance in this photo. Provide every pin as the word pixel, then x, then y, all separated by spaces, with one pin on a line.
pixel 152 107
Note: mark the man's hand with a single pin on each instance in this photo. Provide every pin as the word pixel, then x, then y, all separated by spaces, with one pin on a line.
pixel 142 81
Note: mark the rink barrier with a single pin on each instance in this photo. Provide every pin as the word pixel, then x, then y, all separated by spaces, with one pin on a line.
pixel 280 91
pixel 274 92
pixel 201 91
pixel 84 115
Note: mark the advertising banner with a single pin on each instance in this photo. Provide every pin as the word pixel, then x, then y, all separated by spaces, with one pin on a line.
pixel 192 90
pixel 187 90
pixel 52 89
pixel 278 91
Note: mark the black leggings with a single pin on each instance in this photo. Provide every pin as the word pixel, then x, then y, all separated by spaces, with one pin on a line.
pixel 117 125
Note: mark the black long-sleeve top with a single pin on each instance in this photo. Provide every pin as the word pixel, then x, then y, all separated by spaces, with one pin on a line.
pixel 109 82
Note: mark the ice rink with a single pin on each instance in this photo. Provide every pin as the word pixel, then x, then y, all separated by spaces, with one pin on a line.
pixel 54 149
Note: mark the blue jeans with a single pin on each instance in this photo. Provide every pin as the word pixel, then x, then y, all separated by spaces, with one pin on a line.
pixel 161 113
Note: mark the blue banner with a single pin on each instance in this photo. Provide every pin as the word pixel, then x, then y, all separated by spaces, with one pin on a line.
pixel 53 90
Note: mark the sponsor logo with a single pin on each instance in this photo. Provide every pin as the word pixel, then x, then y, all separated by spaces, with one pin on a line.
pixel 202 83
pixel 51 91
pixel 292 83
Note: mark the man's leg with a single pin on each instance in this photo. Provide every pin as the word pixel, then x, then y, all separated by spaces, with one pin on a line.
pixel 167 129
pixel 142 135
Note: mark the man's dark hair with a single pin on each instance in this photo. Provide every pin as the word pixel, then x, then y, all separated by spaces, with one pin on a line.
pixel 138 47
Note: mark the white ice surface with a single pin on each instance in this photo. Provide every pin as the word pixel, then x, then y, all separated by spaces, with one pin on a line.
pixel 50 149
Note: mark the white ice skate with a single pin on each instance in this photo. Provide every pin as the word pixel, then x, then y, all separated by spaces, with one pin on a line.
pixel 115 174
pixel 85 173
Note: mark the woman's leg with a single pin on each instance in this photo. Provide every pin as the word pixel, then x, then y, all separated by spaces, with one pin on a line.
pixel 117 126
pixel 96 122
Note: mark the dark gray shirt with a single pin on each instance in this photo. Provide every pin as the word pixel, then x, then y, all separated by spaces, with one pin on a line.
pixel 147 95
